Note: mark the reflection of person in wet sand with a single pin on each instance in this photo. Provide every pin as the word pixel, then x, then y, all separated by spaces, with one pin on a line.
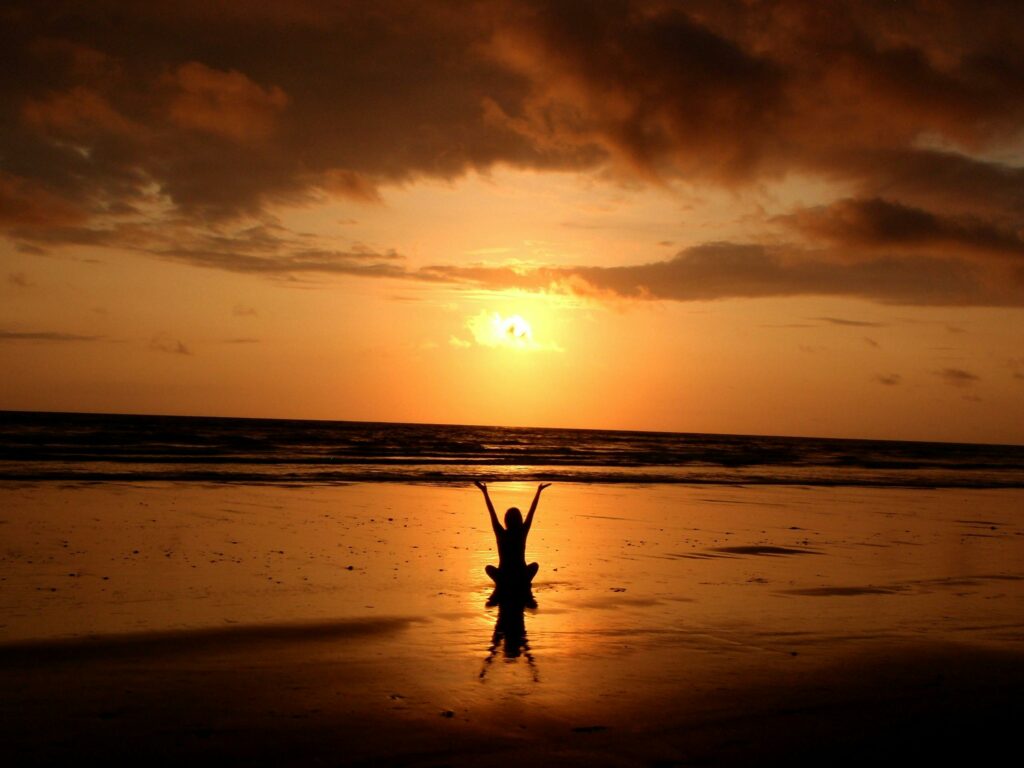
pixel 510 638
pixel 512 574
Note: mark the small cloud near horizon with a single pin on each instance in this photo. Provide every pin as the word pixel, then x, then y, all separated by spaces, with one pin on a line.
pixel 890 379
pixel 958 377
pixel 848 322
pixel 163 343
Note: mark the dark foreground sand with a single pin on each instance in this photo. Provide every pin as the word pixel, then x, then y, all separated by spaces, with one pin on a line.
pixel 274 700
pixel 683 626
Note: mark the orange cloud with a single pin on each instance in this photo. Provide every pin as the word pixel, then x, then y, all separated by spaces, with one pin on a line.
pixel 352 97
pixel 735 270
pixel 76 111
pixel 226 104
pixel 875 223
pixel 911 108
pixel 26 203
pixel 714 94
pixel 338 181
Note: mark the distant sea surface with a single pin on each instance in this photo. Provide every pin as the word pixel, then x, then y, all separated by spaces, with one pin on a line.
pixel 74 447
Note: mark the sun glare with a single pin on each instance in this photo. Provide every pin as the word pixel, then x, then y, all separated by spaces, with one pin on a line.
pixel 512 330
pixel 497 331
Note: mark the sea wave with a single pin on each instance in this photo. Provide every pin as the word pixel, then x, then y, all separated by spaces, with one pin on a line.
pixel 38 447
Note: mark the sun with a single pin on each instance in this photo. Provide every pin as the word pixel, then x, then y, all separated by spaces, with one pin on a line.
pixel 497 331
pixel 512 330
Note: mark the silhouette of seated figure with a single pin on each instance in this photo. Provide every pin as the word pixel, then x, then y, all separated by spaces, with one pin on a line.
pixel 512 576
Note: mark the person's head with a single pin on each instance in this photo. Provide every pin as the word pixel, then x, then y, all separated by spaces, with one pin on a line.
pixel 513 519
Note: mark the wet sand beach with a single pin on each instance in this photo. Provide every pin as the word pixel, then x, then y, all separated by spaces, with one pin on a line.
pixel 348 625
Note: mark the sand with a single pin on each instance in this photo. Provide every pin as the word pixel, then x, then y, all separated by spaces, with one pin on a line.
pixel 348 625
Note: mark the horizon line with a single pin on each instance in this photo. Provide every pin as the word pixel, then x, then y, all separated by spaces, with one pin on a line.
pixel 5 411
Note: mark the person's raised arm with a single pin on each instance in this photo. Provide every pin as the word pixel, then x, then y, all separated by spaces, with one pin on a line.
pixel 533 507
pixel 490 507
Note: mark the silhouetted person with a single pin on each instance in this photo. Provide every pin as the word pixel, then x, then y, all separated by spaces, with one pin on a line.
pixel 513 575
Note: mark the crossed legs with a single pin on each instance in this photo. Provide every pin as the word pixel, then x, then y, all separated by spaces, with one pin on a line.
pixel 497 576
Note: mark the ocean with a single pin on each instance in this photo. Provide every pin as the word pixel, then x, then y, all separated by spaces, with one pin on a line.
pixel 77 447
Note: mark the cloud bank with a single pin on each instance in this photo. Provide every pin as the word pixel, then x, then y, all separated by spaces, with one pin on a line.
pixel 214 113
pixel 731 270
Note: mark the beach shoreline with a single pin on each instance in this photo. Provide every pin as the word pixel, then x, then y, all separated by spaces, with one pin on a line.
pixel 348 625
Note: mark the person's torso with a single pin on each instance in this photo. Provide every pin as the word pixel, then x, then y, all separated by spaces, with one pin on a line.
pixel 511 548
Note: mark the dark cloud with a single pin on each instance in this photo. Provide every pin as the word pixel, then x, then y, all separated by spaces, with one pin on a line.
pixel 706 272
pixel 163 343
pixel 30 249
pixel 952 183
pixel 19 279
pixel 44 336
pixel 958 377
pixel 880 224
pixel 265 248
pixel 847 322
pixel 227 110
pixel 365 264
pixel 155 131
pixel 651 86
pixel 889 379
pixel 730 270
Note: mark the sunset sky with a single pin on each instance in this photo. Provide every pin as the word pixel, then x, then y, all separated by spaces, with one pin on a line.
pixel 793 218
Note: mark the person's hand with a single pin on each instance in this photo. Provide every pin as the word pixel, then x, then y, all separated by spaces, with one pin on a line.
pixel 480 485
pixel 542 486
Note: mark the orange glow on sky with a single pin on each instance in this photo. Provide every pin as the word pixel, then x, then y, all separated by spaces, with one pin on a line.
pixel 513 225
